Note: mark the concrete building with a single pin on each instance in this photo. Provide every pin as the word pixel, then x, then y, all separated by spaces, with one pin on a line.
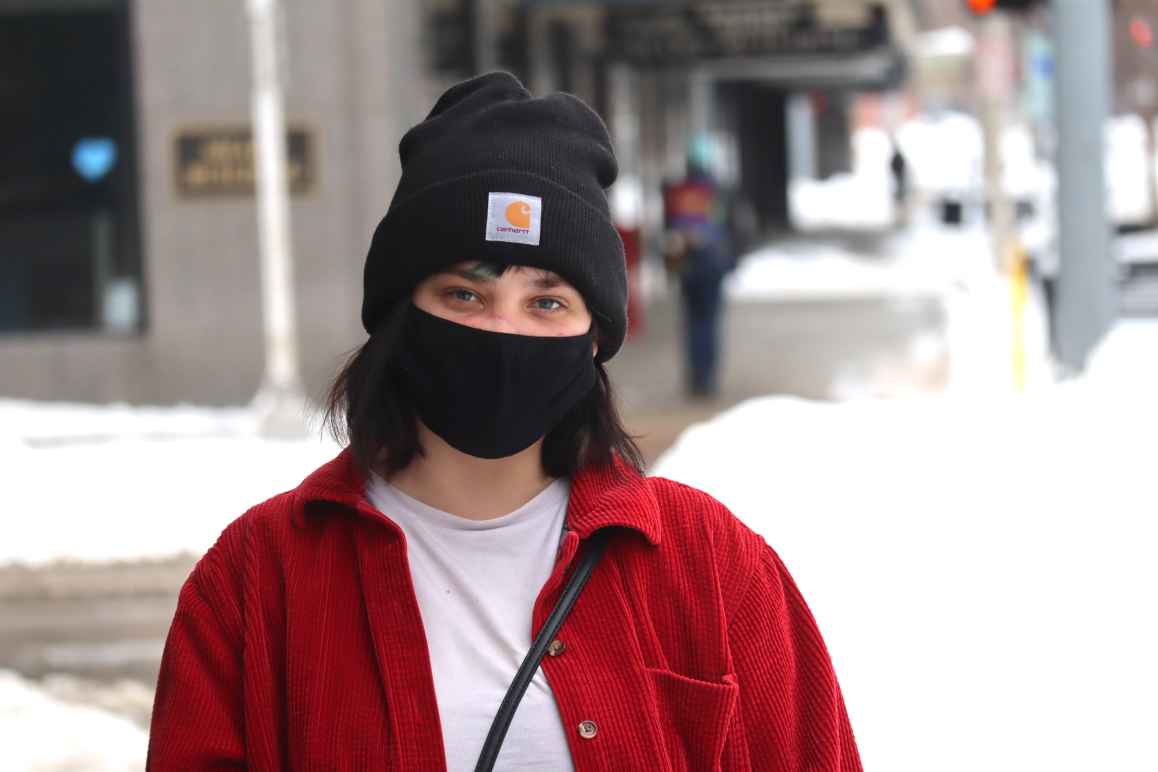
pixel 127 223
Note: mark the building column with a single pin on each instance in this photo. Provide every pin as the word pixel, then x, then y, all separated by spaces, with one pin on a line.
pixel 833 136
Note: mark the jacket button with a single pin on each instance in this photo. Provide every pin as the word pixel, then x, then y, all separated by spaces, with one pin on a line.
pixel 587 729
pixel 556 648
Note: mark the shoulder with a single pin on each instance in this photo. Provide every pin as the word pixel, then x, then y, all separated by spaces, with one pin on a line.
pixel 222 570
pixel 698 527
pixel 684 508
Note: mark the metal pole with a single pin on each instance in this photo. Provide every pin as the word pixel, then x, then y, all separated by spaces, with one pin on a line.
pixel 485 35
pixel 996 65
pixel 279 401
pixel 1086 299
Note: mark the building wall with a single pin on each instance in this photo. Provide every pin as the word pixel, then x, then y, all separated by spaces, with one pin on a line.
pixel 356 82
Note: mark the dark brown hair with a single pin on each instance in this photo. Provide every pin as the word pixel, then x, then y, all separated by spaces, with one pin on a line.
pixel 368 406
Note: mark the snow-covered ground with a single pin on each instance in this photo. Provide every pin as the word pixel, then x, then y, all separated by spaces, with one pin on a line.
pixel 43 733
pixel 822 270
pixel 923 259
pixel 113 483
pixel 981 566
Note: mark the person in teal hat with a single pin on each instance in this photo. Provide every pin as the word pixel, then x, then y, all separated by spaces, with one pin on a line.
pixel 699 250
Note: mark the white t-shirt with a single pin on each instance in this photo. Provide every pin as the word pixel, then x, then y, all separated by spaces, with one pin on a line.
pixel 476 583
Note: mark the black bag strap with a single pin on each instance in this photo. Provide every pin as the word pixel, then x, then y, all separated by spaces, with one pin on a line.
pixel 596 544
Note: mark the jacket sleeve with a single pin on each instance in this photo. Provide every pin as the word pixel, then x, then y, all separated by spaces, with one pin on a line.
pixel 197 711
pixel 791 708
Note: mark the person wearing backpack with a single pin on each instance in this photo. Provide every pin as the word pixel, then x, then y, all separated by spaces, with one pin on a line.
pixel 700 249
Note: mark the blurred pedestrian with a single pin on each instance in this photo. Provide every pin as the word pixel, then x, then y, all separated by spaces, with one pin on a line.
pixel 376 616
pixel 698 249
pixel 899 168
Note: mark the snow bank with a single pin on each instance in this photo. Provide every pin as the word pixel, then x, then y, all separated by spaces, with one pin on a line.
pixel 39 733
pixel 1127 361
pixel 923 259
pixel 110 483
pixel 773 273
pixel 60 423
pixel 982 568
pixel 853 201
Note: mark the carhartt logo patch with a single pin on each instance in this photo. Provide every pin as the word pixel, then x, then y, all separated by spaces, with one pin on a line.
pixel 515 218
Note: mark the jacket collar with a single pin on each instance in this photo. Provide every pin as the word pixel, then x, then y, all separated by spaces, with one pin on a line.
pixel 600 497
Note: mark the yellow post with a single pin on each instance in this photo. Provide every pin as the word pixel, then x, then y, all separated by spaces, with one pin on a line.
pixel 1019 296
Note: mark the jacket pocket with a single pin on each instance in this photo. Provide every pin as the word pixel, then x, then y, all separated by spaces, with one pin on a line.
pixel 694 717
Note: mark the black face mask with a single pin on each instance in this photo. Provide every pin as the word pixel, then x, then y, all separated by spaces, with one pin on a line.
pixel 492 394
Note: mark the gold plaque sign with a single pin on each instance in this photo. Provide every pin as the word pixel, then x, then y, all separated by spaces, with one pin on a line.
pixel 220 162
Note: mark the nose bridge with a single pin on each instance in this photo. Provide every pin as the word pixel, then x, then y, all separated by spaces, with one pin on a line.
pixel 497 320
pixel 500 314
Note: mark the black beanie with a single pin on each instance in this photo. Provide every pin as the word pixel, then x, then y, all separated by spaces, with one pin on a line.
pixel 494 174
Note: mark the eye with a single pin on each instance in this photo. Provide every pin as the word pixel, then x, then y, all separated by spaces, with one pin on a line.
pixel 547 304
pixel 460 295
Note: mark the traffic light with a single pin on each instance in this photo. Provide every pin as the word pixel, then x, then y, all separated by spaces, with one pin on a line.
pixel 1141 32
pixel 982 7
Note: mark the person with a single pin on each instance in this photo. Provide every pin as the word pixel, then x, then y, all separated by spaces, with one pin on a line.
pixel 899 168
pixel 373 617
pixel 698 250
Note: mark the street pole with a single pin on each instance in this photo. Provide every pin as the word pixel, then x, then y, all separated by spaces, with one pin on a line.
pixel 485 35
pixel 996 81
pixel 1086 298
pixel 995 65
pixel 280 401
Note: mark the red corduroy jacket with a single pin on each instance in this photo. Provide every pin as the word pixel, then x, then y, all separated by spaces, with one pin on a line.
pixel 297 642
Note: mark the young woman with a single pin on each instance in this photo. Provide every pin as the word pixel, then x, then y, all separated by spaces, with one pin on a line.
pixel 374 617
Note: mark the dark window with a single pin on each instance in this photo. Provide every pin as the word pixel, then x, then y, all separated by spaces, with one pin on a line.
pixel 69 233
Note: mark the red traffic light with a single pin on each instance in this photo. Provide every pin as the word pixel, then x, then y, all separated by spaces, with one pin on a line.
pixel 982 7
pixel 1141 33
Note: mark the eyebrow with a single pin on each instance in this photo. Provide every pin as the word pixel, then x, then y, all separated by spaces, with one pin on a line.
pixel 545 280
pixel 473 273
